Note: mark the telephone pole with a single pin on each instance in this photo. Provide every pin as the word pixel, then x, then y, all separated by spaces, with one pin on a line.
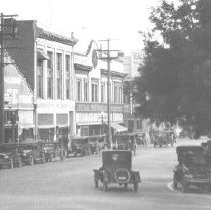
pixel 108 58
pixel 8 28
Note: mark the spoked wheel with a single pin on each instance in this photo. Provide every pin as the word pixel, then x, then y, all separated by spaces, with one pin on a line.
pixel 105 186
pixel 135 186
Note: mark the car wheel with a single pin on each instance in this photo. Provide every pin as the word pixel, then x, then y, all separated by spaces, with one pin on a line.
pixel 31 161
pixel 105 186
pixel 11 163
pixel 184 186
pixel 135 186
pixel 96 183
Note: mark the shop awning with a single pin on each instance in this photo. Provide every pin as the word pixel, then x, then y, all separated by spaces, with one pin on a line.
pixel 26 126
pixel 118 128
pixel 42 55
pixel 45 126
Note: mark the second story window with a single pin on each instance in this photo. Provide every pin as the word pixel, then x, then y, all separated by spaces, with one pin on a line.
pixel 59 75
pixel 79 89
pixel 67 72
pixel 102 92
pixel 50 75
pixel 40 78
pixel 86 90
pixel 94 91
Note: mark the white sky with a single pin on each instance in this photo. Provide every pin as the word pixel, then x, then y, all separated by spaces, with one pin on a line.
pixel 101 19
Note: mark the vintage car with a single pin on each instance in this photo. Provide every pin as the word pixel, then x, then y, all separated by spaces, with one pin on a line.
pixel 97 143
pixel 32 151
pixel 53 150
pixel 141 138
pixel 9 155
pixel 125 142
pixel 79 146
pixel 194 168
pixel 163 138
pixel 116 168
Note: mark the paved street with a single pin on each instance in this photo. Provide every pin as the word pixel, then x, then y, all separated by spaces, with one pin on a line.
pixel 69 185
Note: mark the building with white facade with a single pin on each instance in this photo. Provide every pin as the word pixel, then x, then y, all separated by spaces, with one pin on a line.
pixel 91 91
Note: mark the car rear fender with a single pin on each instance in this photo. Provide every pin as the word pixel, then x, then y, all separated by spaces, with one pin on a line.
pixel 136 176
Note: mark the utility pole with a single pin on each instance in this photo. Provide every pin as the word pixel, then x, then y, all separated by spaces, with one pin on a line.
pixel 109 58
pixel 8 28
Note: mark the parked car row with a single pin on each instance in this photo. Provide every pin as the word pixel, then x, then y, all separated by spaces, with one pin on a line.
pixel 29 152
pixel 86 145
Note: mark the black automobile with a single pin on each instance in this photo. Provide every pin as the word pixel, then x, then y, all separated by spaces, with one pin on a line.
pixel 79 146
pixel 194 168
pixel 116 168
pixel 163 138
pixel 125 142
pixel 32 151
pixel 52 151
pixel 9 155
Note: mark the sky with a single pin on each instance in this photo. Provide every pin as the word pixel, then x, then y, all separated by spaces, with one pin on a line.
pixel 120 20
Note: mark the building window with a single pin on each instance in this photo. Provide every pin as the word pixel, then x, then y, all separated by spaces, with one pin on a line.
pixel 102 92
pixel 139 124
pixel 67 70
pixel 50 75
pixel 79 90
pixel 117 92
pixel 86 90
pixel 94 91
pixel 59 75
pixel 40 78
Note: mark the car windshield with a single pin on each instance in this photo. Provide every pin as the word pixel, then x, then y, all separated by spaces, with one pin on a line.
pixel 28 146
pixel 117 158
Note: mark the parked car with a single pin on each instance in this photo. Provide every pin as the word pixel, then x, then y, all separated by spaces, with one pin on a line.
pixel 53 150
pixel 194 167
pixel 9 155
pixel 97 143
pixel 163 138
pixel 116 168
pixel 126 142
pixel 141 138
pixel 79 146
pixel 32 151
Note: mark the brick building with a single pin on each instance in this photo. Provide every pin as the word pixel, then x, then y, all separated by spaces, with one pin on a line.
pixel 46 61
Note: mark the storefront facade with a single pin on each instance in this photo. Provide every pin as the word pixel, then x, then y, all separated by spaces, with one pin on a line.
pixel 91 92
pixel 19 107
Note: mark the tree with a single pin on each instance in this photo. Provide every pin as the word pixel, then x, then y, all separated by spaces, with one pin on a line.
pixel 175 81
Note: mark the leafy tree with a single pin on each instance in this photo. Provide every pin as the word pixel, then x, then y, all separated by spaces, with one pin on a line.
pixel 175 81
